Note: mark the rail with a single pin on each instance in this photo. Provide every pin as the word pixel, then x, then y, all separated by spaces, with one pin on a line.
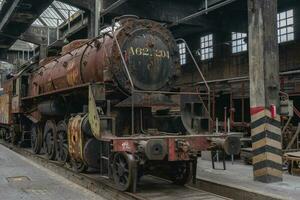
pixel 155 187
pixel 134 90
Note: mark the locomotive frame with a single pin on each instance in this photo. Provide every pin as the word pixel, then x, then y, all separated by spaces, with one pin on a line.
pixel 94 131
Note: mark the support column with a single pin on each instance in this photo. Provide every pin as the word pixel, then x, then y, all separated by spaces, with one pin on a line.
pixel 94 17
pixel 264 90
pixel 43 51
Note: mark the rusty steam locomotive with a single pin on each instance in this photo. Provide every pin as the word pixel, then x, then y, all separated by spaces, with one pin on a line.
pixel 110 104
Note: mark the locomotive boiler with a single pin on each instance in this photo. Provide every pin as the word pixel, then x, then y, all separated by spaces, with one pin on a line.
pixel 111 103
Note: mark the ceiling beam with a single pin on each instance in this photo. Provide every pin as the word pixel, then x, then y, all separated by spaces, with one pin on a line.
pixel 112 7
pixel 202 12
pixel 58 12
pixel 8 13
pixel 81 4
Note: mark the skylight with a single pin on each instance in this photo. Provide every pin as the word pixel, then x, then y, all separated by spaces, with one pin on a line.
pixel 55 14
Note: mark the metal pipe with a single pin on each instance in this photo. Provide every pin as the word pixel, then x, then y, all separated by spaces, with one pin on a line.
pixel 97 16
pixel 48 36
pixel 243 102
pixel 167 92
pixel 69 21
pixel 112 7
pixel 225 119
pixel 205 11
pixel 228 125
pixel 245 78
pixel 57 30
pixel 217 125
pixel 141 118
pixel 129 77
pixel 203 78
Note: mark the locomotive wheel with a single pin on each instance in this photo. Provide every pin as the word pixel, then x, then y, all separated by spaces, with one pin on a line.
pixel 36 139
pixel 7 135
pixel 62 152
pixel 181 173
pixel 4 134
pixel 50 139
pixel 78 166
pixel 122 171
pixel 13 135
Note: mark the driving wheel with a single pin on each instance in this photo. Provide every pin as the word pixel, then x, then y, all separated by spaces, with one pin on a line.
pixel 62 152
pixel 122 171
pixel 36 138
pixel 50 139
pixel 181 173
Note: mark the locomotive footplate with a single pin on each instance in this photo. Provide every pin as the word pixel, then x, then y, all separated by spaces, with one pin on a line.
pixel 170 148
pixel 171 157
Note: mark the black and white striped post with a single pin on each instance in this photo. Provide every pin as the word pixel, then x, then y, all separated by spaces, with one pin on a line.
pixel 264 90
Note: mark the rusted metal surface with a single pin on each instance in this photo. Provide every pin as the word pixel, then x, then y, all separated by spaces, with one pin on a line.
pixel 5 109
pixel 75 138
pixel 231 145
pixel 96 92
pixel 6 104
pixel 52 107
pixel 73 45
pixel 178 148
pixel 15 104
pixel 89 61
pixel 121 145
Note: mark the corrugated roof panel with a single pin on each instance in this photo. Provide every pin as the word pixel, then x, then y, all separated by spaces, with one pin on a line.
pixel 37 22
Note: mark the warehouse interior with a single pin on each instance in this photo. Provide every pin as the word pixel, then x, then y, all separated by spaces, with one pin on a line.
pixel 251 70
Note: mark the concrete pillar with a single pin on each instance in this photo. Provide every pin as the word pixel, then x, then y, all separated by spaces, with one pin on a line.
pixel 264 90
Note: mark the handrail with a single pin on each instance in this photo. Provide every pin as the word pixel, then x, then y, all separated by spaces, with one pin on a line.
pixel 195 62
pixel 133 90
pixel 129 77
pixel 203 78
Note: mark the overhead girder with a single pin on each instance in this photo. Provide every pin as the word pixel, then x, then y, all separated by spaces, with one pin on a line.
pixel 21 14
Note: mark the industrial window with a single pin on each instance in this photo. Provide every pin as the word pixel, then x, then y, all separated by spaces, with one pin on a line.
pixel 238 42
pixel 182 53
pixel 285 26
pixel 206 51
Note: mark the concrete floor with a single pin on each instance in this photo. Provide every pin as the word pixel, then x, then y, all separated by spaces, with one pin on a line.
pixel 240 176
pixel 20 178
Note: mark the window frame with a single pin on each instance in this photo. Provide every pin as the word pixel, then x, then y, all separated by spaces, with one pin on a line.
pixel 207 47
pixel 182 53
pixel 285 26
pixel 240 37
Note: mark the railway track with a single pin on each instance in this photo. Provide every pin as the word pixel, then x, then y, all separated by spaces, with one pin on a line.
pixel 149 187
